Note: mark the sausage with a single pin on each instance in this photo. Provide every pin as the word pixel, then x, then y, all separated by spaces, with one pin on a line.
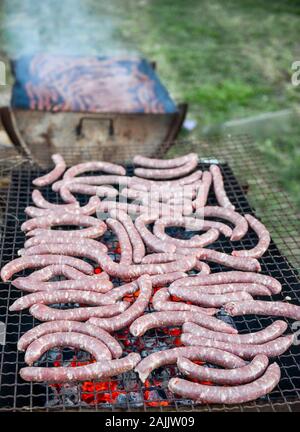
pixel 263 239
pixel 150 239
pixel 165 174
pixel 146 184
pixel 239 263
pixel 203 190
pixel 123 239
pixel 88 283
pixel 117 180
pixel 164 163
pixel 134 209
pixel 157 258
pixel 231 377
pixel 167 278
pixel 70 339
pixel 67 189
pixel 260 307
pixel 228 395
pixel 133 312
pixel 207 300
pixel 70 326
pixel 61 296
pixel 45 313
pixel 219 189
pixel 119 292
pixel 251 288
pixel 241 224
pixel 90 208
pixel 47 273
pixel 93 371
pixel 272 348
pixel 96 227
pixel 175 318
pixel 189 223
pixel 170 356
pixel 53 175
pixel 106 167
pixel 45 236
pixel 269 333
pixel 42 203
pixel 38 261
pixel 232 277
pixel 161 301
pixel 137 244
pixel 202 268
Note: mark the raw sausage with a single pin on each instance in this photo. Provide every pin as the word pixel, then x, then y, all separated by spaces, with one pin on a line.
pixel 251 288
pixel 165 174
pixel 42 203
pixel 53 175
pixel 123 239
pixel 66 191
pixel 219 187
pixel 106 167
pixel 207 300
pixel 203 190
pixel 150 239
pixel 263 239
pixel 164 163
pixel 228 395
pixel 260 307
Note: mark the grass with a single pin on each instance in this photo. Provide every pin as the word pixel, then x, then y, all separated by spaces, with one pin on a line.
pixel 228 60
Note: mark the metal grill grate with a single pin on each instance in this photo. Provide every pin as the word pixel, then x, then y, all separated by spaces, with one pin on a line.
pixel 126 391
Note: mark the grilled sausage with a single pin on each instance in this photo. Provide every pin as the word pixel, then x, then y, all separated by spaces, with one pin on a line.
pixel 132 313
pixel 228 395
pixel 175 318
pixel 45 313
pixel 241 225
pixel 164 163
pixel 263 239
pixel 165 174
pixel 53 175
pixel 97 371
pixel 137 244
pixel 123 239
pixel 170 356
pixel 69 339
pixel 271 332
pixel 273 348
pixel 207 300
pixel 232 277
pixel 38 261
pixel 61 296
pixel 237 376
pixel 70 326
pixel 219 189
pixel 203 190
pixel 161 301
pixel 106 167
pixel 260 307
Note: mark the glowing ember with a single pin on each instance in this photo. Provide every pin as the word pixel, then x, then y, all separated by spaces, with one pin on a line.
pixel 97 270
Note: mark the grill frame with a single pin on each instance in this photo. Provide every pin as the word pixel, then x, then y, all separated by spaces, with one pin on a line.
pixel 238 151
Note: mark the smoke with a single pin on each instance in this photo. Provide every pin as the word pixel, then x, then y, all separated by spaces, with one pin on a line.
pixel 74 27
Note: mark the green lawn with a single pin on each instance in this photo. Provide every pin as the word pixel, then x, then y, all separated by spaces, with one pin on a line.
pixel 228 59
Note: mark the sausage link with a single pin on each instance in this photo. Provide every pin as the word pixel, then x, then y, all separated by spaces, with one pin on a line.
pixel 219 189
pixel 165 174
pixel 271 332
pixel 123 239
pixel 38 261
pixel 106 167
pixel 263 239
pixel 61 296
pixel 42 203
pixel 161 301
pixel 89 209
pixel 228 395
pixel 207 300
pixel 251 288
pixel 175 318
pixel 164 163
pixel 45 236
pixel 146 184
pixel 70 326
pixel 133 234
pixel 260 307
pixel 110 180
pixel 232 277
pixel 272 348
pixel 170 356
pixel 150 239
pixel 133 312
pixel 241 224
pixel 53 270
pixel 45 313
pixel 74 340
pixel 94 371
pixel 67 190
pixel 203 190
pixel 53 175
pixel 237 376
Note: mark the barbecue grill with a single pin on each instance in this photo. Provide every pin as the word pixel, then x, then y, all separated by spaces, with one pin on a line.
pixel 252 189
